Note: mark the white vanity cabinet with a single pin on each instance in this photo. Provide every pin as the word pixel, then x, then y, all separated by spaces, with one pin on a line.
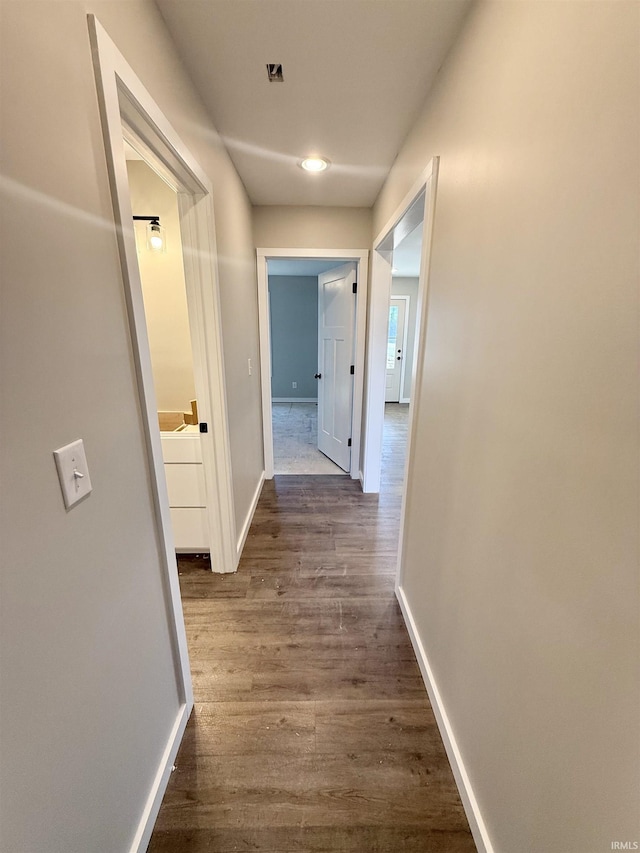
pixel 186 487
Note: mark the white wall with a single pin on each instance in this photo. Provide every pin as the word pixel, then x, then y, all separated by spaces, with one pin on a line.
pixel 282 227
pixel 164 290
pixel 87 689
pixel 407 286
pixel 522 530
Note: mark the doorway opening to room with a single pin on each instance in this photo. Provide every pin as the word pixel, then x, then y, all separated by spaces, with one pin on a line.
pixel 312 357
pixel 396 344
pixel 301 415
pixel 158 236
pixel 174 320
pixel 402 332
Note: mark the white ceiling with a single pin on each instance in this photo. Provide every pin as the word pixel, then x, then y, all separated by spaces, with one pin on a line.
pixel 406 255
pixel 355 75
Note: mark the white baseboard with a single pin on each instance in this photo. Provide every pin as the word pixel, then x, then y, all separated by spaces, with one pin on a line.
pixel 294 400
pixel 472 810
pixel 405 399
pixel 247 522
pixel 154 801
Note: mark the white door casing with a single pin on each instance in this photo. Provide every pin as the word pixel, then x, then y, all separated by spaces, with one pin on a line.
pixel 336 303
pixel 396 344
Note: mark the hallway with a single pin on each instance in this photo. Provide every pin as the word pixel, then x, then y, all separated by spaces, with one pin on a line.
pixel 311 729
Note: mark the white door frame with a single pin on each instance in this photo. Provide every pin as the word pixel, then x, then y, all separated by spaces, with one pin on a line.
pixel 418 204
pixel 361 258
pixel 403 343
pixel 127 109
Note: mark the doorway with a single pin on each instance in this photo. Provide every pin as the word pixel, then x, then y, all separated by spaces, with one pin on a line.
pixel 401 348
pixel 312 313
pixel 158 236
pixel 296 383
pixel 400 262
pixel 188 441
pixel 396 348
pixel 405 239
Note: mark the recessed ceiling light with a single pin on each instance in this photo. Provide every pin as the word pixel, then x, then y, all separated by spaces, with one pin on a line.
pixel 314 164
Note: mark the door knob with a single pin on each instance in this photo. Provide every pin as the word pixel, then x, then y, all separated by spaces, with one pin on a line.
pixel 318 376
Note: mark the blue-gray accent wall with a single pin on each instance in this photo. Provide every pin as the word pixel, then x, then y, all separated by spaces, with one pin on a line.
pixel 293 303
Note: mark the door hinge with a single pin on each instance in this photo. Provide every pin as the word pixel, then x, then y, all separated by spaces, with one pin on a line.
pixel 349 443
pixel 355 286
pixel 204 427
pixel 353 369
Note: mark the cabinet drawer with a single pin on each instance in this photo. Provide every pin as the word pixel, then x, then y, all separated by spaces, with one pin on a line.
pixel 185 484
pixel 190 529
pixel 181 447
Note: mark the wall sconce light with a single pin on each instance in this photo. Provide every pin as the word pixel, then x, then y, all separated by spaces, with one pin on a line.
pixel 155 233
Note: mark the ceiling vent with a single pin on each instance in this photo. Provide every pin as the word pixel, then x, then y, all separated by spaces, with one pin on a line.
pixel 274 72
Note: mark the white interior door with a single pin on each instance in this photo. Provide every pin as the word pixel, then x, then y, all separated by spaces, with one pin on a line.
pixel 336 304
pixel 395 349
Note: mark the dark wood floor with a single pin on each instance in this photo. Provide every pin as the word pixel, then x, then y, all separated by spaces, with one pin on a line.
pixel 312 730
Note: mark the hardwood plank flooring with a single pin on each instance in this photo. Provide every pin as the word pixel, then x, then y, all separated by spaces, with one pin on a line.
pixel 312 731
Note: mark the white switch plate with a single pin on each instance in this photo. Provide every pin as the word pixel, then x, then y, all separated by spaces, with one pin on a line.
pixel 73 472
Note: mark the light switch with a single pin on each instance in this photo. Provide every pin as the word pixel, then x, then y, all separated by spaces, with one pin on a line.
pixel 72 472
